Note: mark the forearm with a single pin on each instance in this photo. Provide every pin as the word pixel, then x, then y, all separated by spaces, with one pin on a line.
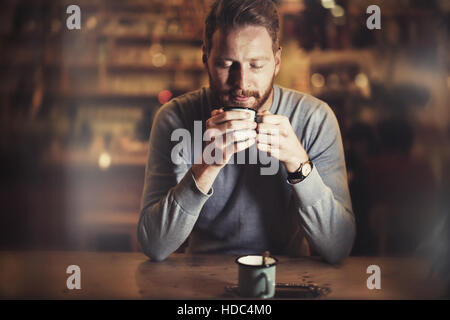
pixel 329 224
pixel 164 225
pixel 204 176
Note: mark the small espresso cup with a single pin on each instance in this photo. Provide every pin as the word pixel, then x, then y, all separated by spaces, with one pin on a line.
pixel 256 280
pixel 244 109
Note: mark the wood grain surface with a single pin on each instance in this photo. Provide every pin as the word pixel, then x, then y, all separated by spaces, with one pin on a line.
pixel 115 275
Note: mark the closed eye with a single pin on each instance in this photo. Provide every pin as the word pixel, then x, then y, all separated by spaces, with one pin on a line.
pixel 224 64
pixel 257 66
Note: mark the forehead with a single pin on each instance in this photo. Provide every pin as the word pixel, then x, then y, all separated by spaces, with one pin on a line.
pixel 241 40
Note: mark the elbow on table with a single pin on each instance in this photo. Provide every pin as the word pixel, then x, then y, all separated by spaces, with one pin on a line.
pixel 336 254
pixel 333 258
pixel 156 256
pixel 156 252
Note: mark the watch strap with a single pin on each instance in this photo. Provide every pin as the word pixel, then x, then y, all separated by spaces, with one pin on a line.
pixel 298 176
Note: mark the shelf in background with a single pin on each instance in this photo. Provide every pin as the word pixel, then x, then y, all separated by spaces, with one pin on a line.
pixel 118 67
pixel 84 158
pixel 115 67
pixel 116 98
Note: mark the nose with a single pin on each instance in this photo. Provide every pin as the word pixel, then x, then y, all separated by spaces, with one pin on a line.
pixel 238 77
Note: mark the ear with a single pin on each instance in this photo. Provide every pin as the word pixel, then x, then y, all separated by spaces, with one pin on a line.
pixel 205 58
pixel 278 60
pixel 204 55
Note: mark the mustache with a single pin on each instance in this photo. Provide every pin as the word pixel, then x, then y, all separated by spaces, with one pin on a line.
pixel 244 93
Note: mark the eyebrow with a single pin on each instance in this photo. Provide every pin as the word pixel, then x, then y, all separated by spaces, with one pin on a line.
pixel 261 58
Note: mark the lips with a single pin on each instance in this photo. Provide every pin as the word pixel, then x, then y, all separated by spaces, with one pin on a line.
pixel 240 98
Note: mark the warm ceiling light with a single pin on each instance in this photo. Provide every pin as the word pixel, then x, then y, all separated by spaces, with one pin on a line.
pixel 317 80
pixel 361 81
pixel 159 60
pixel 338 11
pixel 91 23
pixel 328 4
pixel 104 161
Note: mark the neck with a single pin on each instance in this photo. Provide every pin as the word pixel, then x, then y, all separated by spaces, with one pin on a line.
pixel 267 104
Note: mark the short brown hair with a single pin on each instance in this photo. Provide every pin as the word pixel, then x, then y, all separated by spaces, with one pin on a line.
pixel 233 13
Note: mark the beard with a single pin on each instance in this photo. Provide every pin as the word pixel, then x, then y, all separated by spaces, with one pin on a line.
pixel 225 98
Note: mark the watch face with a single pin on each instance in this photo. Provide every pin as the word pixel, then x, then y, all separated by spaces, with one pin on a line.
pixel 306 169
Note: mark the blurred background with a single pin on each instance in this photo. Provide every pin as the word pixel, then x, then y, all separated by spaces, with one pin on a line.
pixel 77 108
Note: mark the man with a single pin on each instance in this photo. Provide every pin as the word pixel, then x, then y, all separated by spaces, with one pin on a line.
pixel 223 207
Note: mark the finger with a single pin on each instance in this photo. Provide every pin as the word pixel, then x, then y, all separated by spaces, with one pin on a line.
pixel 268 128
pixel 234 125
pixel 232 115
pixel 212 134
pixel 212 121
pixel 271 150
pixel 241 135
pixel 224 151
pixel 224 140
pixel 237 136
pixel 271 118
pixel 236 147
pixel 225 116
pixel 216 112
pixel 273 140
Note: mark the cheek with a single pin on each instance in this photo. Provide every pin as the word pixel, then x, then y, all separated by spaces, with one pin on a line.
pixel 219 76
pixel 265 79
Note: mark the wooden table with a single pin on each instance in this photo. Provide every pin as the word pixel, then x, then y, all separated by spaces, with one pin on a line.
pixel 42 275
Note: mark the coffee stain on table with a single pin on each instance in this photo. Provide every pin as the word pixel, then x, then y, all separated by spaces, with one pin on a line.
pixel 289 291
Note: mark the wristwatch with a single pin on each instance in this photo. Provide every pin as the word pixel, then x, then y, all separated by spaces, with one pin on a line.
pixel 302 172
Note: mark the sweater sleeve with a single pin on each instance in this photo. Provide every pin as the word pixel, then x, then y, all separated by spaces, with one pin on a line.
pixel 171 200
pixel 323 198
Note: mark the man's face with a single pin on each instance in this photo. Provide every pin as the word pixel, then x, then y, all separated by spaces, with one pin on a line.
pixel 242 66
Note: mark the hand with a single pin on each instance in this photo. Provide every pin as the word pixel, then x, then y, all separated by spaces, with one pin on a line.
pixel 227 132
pixel 277 138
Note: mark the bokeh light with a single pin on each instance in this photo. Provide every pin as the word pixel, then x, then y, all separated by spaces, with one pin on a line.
pixel 317 80
pixel 328 4
pixel 337 11
pixel 104 161
pixel 361 80
pixel 164 96
pixel 159 60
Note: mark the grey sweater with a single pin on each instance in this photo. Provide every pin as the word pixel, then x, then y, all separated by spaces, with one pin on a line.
pixel 246 211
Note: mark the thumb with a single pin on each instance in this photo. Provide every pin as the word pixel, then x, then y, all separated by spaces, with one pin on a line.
pixel 264 112
pixel 216 111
